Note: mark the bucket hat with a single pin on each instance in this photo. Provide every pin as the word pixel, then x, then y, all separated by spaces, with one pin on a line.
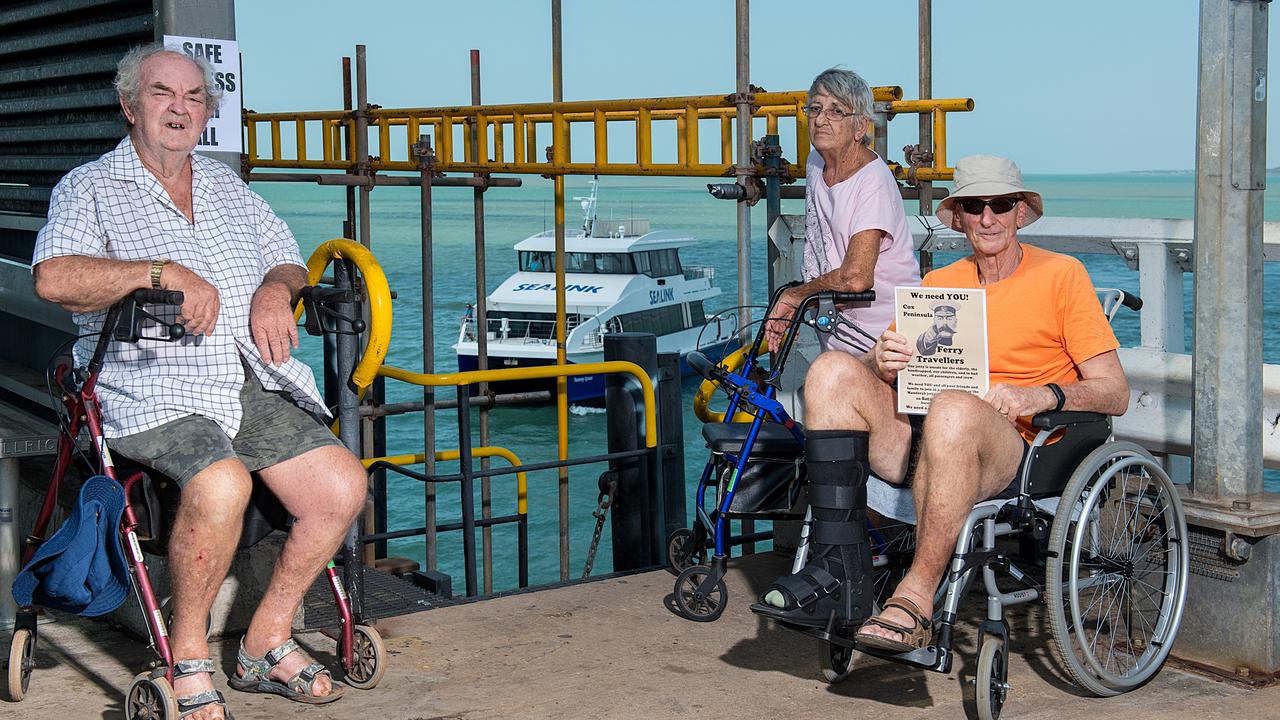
pixel 82 568
pixel 988 176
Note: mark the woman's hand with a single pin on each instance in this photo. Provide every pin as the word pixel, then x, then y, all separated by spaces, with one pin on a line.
pixel 775 327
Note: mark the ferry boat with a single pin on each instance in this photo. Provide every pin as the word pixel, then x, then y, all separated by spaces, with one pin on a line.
pixel 620 276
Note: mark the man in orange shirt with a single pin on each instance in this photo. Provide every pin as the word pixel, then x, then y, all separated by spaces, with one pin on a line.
pixel 1049 348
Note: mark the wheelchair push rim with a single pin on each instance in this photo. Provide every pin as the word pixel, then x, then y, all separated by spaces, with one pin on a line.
pixel 1118 584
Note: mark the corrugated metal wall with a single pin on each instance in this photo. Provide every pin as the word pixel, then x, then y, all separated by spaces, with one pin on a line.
pixel 57 106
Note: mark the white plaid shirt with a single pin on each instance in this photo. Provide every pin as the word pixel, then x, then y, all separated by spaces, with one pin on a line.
pixel 115 208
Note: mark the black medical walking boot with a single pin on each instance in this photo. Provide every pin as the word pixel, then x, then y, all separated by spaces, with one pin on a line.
pixel 834 590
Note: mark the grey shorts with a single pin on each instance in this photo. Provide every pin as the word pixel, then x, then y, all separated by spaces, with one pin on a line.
pixel 272 430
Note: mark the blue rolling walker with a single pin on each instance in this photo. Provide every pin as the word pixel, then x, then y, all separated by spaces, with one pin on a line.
pixel 756 468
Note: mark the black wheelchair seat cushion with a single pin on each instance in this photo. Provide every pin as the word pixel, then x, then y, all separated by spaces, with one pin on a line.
pixel 773 440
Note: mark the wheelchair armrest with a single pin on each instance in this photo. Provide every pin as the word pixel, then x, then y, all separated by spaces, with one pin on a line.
pixel 1065 418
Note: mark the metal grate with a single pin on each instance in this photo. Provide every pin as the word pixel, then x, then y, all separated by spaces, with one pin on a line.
pixel 1207 559
pixel 384 596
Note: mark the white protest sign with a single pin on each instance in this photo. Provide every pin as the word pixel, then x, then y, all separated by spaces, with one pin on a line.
pixel 222 134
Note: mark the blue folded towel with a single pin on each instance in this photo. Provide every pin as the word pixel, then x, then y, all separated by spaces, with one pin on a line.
pixel 82 568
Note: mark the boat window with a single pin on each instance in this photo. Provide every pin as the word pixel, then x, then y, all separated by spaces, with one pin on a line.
pixel 658 263
pixel 697 316
pixel 594 263
pixel 537 261
pixel 658 320
pixel 614 264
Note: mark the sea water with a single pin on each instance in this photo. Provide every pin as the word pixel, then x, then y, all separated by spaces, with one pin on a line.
pixel 316 213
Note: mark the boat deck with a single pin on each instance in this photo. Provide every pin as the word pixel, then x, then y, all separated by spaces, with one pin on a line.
pixel 611 649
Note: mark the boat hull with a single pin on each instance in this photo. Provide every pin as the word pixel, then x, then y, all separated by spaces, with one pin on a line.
pixel 582 389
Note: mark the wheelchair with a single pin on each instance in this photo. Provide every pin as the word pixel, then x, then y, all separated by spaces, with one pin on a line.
pixel 150 502
pixel 1093 527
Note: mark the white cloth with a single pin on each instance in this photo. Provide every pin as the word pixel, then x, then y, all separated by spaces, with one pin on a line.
pixel 115 208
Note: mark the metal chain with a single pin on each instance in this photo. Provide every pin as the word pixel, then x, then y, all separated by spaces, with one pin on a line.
pixel 602 509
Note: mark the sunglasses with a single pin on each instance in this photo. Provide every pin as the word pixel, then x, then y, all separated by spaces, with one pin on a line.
pixel 999 206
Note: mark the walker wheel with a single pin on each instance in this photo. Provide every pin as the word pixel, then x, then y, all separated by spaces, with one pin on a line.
pixel 694 604
pixel 21 663
pixel 837 661
pixel 989 685
pixel 369 656
pixel 151 698
pixel 684 550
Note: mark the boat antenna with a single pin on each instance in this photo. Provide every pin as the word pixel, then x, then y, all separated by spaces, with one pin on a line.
pixel 589 206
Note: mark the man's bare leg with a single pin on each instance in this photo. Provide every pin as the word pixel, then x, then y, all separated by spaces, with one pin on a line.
pixel 969 453
pixel 323 489
pixel 843 394
pixel 203 542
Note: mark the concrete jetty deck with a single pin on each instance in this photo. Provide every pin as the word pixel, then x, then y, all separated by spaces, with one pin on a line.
pixel 611 649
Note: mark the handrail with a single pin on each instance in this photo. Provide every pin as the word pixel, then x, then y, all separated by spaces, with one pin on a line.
pixel 461 379
pixel 702 399
pixel 522 494
pixel 379 294
pixel 513 130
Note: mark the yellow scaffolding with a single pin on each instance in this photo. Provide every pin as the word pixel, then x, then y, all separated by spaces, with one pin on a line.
pixel 508 136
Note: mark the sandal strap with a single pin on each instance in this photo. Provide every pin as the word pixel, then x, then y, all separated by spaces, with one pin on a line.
pixel 189 704
pixel 281 651
pixel 811 584
pixel 908 606
pixel 305 680
pixel 183 668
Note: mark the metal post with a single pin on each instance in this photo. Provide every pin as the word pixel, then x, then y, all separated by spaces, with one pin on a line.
pixel 362 144
pixel 560 154
pixel 771 148
pixel 635 513
pixel 349 228
pixel 743 169
pixel 468 500
pixel 349 430
pixel 1230 179
pixel 9 547
pixel 426 166
pixel 925 187
pixel 482 335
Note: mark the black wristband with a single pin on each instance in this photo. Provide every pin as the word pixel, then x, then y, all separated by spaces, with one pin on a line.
pixel 1057 392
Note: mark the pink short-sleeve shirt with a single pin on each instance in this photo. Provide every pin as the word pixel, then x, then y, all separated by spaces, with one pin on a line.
pixel 869 200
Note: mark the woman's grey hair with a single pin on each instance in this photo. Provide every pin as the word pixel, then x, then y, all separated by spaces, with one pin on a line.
pixel 129 74
pixel 850 89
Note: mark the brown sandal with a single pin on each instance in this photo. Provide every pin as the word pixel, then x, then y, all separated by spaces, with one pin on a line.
pixel 914 637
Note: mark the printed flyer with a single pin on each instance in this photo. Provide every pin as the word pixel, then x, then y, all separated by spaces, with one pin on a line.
pixel 947 328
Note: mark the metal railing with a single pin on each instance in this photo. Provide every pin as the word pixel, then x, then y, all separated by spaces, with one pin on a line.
pixel 511 138
pixel 468 474
pixel 697 272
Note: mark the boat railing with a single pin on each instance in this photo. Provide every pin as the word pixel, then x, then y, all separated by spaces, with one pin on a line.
pixel 593 337
pixel 694 272
pixel 517 331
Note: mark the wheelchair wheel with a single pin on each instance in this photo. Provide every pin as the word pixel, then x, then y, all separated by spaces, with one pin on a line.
pixel 151 698
pixel 684 550
pixel 989 685
pixel 1116 578
pixel 22 652
pixel 695 605
pixel 836 660
pixel 369 655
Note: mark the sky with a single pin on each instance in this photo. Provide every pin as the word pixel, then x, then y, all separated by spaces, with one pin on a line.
pixel 1088 86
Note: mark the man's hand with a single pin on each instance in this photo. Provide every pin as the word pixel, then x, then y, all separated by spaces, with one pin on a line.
pixel 201 300
pixel 890 355
pixel 271 321
pixel 1013 401
pixel 775 327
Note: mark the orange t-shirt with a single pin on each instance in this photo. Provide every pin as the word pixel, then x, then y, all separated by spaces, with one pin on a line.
pixel 1042 321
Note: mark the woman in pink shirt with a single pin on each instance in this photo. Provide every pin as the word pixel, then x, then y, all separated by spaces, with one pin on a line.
pixel 856 235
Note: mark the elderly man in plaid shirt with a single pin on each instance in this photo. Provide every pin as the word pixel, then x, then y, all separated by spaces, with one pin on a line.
pixel 224 401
